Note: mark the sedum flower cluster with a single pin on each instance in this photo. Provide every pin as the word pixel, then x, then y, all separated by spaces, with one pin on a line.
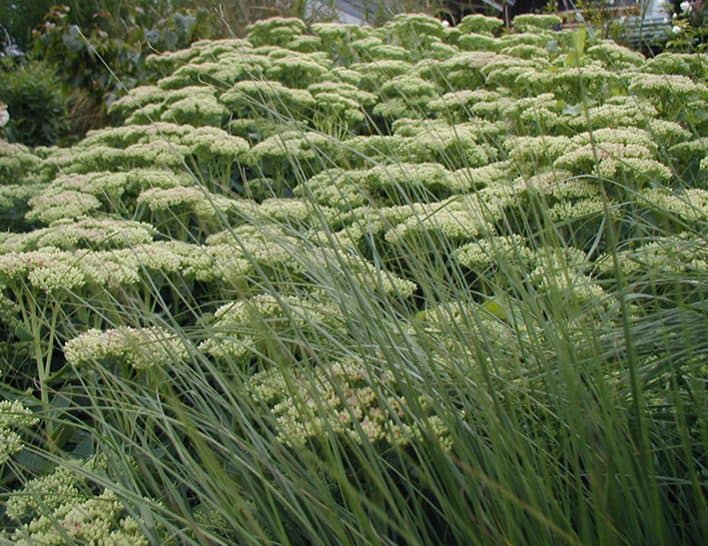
pixel 20 180
pixel 242 330
pixel 13 415
pixel 680 253
pixel 137 348
pixel 89 233
pixel 62 507
pixel 348 398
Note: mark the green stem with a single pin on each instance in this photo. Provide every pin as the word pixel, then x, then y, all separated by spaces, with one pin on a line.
pixel 32 318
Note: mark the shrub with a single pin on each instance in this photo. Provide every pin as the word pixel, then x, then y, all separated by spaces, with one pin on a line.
pixel 36 103
pixel 104 53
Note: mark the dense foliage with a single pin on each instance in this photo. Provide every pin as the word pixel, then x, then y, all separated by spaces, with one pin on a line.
pixel 334 284
pixel 33 93
pixel 81 58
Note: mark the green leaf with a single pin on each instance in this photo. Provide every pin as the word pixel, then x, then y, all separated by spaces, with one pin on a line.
pixel 83 444
pixel 494 308
pixel 579 37
pixel 22 333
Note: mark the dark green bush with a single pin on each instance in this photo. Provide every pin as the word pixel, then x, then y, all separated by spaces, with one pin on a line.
pixel 102 57
pixel 36 102
pixel 20 18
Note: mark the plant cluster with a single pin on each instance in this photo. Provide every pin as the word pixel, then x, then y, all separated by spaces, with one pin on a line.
pixel 326 284
pixel 690 31
pixel 82 59
pixel 37 107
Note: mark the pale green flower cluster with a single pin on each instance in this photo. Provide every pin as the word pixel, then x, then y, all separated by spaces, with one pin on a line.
pixel 135 151
pixel 124 135
pixel 414 141
pixel 479 23
pixel 93 188
pixel 264 98
pixel 473 332
pixel 50 491
pixel 101 519
pixel 248 251
pixel 294 154
pixel 481 256
pixel 56 204
pixel 690 205
pixel 136 348
pixel 615 55
pixel 668 91
pixel 461 105
pixel 276 31
pixel 14 200
pixel 615 113
pixel 345 90
pixel 298 70
pixel 679 253
pixel 403 96
pixel 337 188
pixel 53 270
pixel 244 329
pixel 612 135
pixel 371 278
pixel 611 158
pixel 529 154
pixel 559 277
pixel 414 31
pixel 196 110
pixel 348 399
pixel 567 211
pixel 293 212
pixel 532 21
pixel 536 36
pixel 451 223
pixel 525 51
pixel 93 233
pixel 406 182
pixel 680 64
pixel 195 105
pixel 111 186
pixel 152 154
pixel 685 153
pixel 496 173
pixel 554 187
pixel 135 99
pixel 60 509
pixel 13 415
pixel 333 106
pixel 504 72
pixel 592 81
pixel 198 201
pixel 372 75
pixel 478 41
pixel 16 162
pixel 234 263
pixel 117 192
